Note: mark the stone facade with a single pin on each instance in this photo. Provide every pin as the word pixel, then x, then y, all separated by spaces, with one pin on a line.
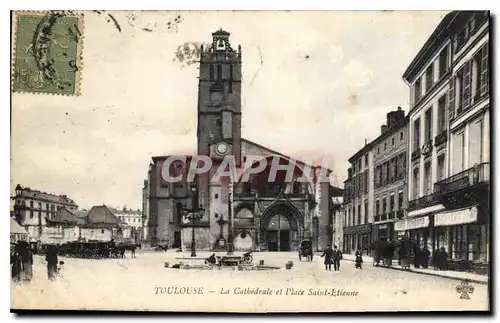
pixel 264 215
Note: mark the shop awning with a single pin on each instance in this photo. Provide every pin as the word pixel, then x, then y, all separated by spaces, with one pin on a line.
pixel 411 223
pixel 456 217
pixel 426 210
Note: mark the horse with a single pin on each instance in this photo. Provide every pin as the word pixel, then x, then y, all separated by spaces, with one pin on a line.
pixel 126 247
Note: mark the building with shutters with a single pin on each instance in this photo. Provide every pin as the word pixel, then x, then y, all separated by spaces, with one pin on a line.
pixel 374 192
pixel 251 215
pixel 32 207
pixel 448 169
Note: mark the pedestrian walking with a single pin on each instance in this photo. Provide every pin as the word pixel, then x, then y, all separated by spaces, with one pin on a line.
pixel 26 261
pixel 15 262
pixel 337 256
pixel 444 259
pixel 52 260
pixel 426 254
pixel 417 259
pixel 359 260
pixel 328 253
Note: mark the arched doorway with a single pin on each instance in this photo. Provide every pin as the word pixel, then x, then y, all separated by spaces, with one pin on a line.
pixel 278 233
pixel 281 228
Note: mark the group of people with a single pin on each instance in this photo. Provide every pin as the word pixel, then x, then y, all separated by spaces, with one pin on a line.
pixel 21 262
pixel 332 256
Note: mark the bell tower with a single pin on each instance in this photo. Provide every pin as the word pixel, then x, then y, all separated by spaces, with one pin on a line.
pixel 219 98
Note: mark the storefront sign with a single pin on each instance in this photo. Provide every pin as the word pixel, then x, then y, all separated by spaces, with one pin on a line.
pixel 359 229
pixel 411 223
pixel 456 217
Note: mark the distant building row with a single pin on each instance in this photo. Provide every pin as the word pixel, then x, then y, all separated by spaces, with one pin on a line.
pixel 427 175
pixel 50 218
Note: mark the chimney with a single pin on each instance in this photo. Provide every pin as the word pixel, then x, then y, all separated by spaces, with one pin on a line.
pixel 366 141
pixel 400 114
pixel 383 129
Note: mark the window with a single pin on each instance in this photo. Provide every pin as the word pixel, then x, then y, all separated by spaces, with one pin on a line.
pixel 400 200
pixel 378 150
pixel 39 205
pixel 464 87
pixel 366 212
pixel 428 124
pixel 440 168
pixel 211 72
pixel 391 204
pixel 31 204
pixel 427 179
pixel 483 82
pixel 359 213
pixel 458 152
pixel 216 196
pixel 216 215
pixel 219 72
pixel 397 167
pixel 416 134
pixel 443 61
pixel 401 136
pixel 377 207
pixel 418 90
pixel 441 126
pixel 102 231
pixel 429 77
pixel 416 183
pixel 385 146
pixel 231 71
pixel 31 214
pixel 475 142
pixel 384 205
pixel 348 217
pixel 366 160
pixel 47 206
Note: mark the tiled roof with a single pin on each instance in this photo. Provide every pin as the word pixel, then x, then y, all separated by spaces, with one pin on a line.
pixel 27 192
pixel 102 214
pixel 65 216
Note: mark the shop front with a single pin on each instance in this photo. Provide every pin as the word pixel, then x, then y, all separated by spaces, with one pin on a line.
pixel 357 237
pixel 383 230
pixel 417 229
pixel 463 233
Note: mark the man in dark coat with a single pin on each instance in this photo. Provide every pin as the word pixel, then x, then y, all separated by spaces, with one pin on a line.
pixel 27 261
pixel 328 253
pixel 52 259
pixel 15 261
pixel 425 255
pixel 337 256
pixel 443 259
pixel 417 259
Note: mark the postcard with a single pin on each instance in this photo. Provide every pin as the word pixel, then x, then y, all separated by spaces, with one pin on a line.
pixel 250 161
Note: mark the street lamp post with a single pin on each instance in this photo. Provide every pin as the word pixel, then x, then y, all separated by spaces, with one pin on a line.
pixel 193 215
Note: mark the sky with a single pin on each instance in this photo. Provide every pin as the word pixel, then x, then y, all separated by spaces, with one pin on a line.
pixel 314 83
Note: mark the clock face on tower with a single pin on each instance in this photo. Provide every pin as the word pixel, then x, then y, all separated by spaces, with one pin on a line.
pixel 222 148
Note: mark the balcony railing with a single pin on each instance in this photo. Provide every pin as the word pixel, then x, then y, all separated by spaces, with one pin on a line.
pixel 477 174
pixel 441 138
pixel 422 202
pixel 415 154
pixel 427 148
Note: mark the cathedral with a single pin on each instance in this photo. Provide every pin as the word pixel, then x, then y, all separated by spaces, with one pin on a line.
pixel 254 214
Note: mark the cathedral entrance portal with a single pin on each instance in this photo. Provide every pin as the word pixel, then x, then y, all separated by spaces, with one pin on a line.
pixel 280 229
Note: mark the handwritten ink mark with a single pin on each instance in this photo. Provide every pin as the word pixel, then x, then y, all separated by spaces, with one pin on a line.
pixel 117 25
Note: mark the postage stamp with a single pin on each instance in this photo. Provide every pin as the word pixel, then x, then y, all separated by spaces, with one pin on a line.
pixel 47 52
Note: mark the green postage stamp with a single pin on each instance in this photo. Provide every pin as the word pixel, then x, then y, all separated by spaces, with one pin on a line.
pixel 47 52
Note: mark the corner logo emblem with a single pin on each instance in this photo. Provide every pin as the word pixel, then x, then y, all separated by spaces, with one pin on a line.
pixel 464 289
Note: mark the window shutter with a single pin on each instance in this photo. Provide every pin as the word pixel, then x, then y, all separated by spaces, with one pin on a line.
pixel 451 99
pixel 484 70
pixel 467 85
